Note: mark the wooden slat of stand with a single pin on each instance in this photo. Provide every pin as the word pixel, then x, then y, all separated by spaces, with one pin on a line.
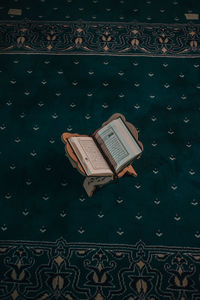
pixel 128 170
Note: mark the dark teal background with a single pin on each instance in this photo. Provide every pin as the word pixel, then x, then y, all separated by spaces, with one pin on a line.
pixel 138 238
pixel 171 11
pixel 43 96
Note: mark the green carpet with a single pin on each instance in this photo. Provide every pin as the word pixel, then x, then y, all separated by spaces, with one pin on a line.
pixel 138 238
pixel 101 10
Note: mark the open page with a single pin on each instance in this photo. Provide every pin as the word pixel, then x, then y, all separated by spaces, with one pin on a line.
pixel 90 156
pixel 118 144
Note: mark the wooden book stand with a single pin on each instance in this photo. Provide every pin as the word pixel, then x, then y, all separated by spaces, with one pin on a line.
pixel 92 182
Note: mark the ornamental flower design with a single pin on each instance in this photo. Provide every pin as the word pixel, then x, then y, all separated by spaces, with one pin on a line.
pixel 101 38
pixel 164 39
pixel 106 38
pixel 98 271
pixel 135 37
pixel 193 38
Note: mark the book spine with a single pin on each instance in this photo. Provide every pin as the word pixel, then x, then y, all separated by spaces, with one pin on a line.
pixel 105 157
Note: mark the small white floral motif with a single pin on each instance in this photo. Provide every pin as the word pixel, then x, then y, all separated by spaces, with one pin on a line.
pixel 197 234
pixel 63 214
pixel 4 227
pixel 9 102
pixel 51 141
pixel 3 127
pixel 151 74
pixel 8 196
pixel 188 145
pixel 28 182
pixel 100 215
pixel 154 144
pixel 12 167
pixel 191 172
pixel 120 231
pixel 155 171
pixel 43 81
pixel 177 217
pixel 36 127
pixel 40 104
pixel 153 118
pixel 166 85
pixel 82 198
pixel 119 200
pixel 186 120
pixel 13 81
pixel 25 212
pixel 73 105
pixel 43 229
pixel 138 216
pixel 45 197
pixel 174 186
pixel 137 106
pixel 81 230
pixel 121 73
pixel 169 107
pixel 157 201
pixel 172 157
pixel 159 233
pixel 33 153
pixel 170 131
pixel 87 116
pixel 137 186
pixel 183 97
pixel 55 116
pixel 17 140
pixel 105 105
pixel 194 202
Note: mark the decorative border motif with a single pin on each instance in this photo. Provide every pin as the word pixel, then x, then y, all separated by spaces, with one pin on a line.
pixel 61 270
pixel 100 38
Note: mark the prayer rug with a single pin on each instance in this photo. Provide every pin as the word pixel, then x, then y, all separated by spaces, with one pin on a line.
pixel 137 238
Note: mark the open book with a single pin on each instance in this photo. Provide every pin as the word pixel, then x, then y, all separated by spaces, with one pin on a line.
pixel 108 151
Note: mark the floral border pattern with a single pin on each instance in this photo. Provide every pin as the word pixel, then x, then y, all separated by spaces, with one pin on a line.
pixel 61 270
pixel 100 38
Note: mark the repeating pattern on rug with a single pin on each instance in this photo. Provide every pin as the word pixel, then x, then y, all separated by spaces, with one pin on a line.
pixel 42 197
pixel 47 270
pixel 138 39
pixel 99 10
